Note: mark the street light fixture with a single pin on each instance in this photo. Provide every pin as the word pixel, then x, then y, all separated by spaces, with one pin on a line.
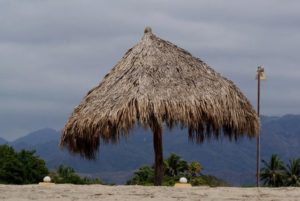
pixel 260 75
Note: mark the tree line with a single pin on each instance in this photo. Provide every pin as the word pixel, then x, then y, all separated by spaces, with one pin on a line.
pixel 174 168
pixel 20 167
pixel 275 173
pixel 25 167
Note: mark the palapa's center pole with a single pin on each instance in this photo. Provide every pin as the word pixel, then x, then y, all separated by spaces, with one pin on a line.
pixel 258 137
pixel 260 76
pixel 158 152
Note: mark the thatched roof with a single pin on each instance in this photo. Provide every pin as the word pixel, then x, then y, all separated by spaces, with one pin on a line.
pixel 157 82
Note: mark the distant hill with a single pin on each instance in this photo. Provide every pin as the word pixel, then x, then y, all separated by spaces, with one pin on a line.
pixel 233 161
pixel 2 141
pixel 38 137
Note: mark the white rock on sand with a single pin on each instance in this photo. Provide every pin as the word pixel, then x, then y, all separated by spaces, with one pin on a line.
pixel 131 193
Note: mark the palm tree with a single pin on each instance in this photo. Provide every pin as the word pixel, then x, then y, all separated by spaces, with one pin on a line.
pixel 175 166
pixel 194 168
pixel 292 173
pixel 273 172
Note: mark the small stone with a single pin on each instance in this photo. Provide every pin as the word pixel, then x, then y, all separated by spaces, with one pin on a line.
pixel 47 179
pixel 183 180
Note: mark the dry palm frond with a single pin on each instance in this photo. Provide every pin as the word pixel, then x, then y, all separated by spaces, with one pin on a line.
pixel 157 82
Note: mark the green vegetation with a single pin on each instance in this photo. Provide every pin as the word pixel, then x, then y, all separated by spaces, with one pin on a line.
pixel 67 175
pixel 174 168
pixel 20 167
pixel 25 167
pixel 144 176
pixel 292 173
pixel 276 174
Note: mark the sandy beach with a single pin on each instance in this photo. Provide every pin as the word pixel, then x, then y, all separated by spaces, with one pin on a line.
pixel 131 193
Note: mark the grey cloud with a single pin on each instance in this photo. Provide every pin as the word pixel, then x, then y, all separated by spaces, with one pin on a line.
pixel 53 52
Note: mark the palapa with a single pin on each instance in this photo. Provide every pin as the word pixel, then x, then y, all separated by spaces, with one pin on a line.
pixel 158 83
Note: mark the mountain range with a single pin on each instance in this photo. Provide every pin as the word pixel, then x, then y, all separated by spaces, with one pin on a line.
pixel 2 141
pixel 233 161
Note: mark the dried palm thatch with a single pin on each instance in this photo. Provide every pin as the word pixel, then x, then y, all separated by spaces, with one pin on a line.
pixel 157 82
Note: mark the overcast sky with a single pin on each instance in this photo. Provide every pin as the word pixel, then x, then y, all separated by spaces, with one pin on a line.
pixel 53 51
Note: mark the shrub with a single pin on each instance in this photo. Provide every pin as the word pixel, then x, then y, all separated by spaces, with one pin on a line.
pixel 22 167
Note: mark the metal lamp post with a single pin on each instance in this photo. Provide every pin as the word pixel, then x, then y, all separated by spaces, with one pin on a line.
pixel 260 75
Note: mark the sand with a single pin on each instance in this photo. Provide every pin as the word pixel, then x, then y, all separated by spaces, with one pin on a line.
pixel 131 193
